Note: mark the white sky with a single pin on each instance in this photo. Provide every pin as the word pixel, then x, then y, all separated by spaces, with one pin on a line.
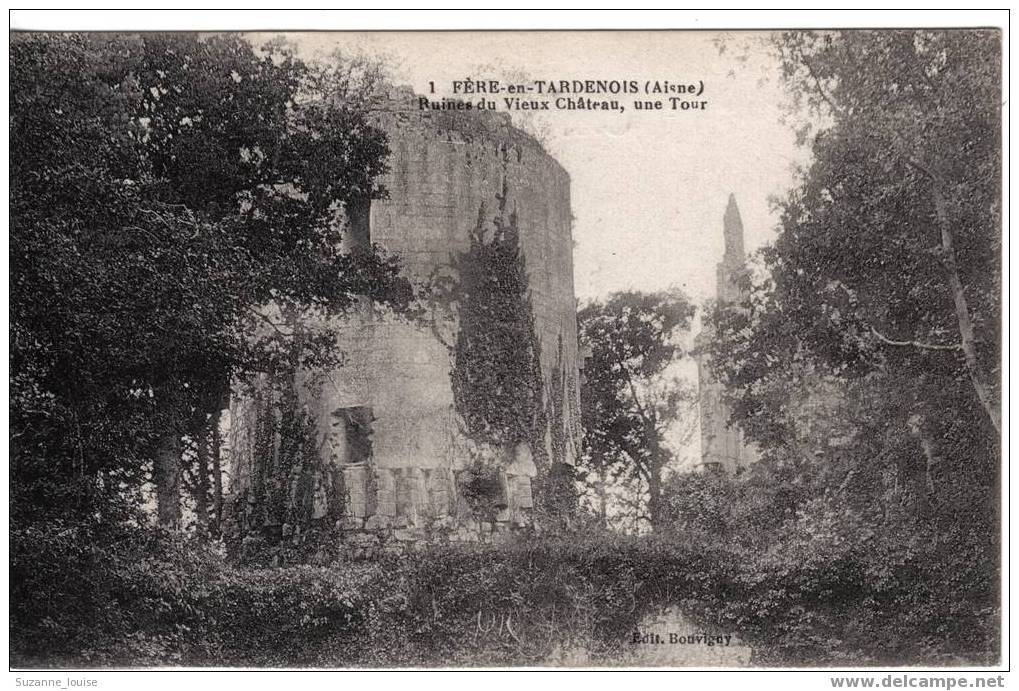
pixel 648 188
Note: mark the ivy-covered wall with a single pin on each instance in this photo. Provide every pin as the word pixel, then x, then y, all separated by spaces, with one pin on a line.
pixel 421 479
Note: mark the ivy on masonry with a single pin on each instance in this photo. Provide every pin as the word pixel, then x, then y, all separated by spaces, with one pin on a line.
pixel 556 401
pixel 496 376
pixel 286 472
pixel 497 380
pixel 557 495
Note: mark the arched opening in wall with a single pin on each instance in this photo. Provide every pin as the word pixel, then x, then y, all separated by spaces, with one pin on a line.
pixel 359 232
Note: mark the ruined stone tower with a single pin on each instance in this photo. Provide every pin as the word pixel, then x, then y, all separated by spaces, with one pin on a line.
pixel 722 445
pixel 390 462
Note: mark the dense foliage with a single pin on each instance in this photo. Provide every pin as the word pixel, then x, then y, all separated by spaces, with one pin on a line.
pixel 496 375
pixel 500 394
pixel 176 211
pixel 865 360
pixel 165 190
pixel 818 599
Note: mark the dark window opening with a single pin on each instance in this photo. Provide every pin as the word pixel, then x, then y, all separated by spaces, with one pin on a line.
pixel 359 222
pixel 354 425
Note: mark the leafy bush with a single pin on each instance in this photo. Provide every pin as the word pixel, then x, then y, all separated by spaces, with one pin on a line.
pixel 831 579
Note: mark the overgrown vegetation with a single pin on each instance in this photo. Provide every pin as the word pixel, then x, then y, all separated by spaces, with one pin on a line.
pixel 273 517
pixel 496 373
pixel 864 361
pixel 498 386
pixel 83 599
pixel 167 189
pixel 173 216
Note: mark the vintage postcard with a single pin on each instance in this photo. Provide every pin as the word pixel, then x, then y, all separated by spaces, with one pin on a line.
pixel 506 349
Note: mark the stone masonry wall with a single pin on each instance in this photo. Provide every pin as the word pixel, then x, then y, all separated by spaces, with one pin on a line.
pixel 396 373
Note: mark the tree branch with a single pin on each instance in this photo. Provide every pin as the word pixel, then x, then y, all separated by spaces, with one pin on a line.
pixel 902 147
pixel 818 86
pixel 915 344
pixel 633 388
pixel 275 326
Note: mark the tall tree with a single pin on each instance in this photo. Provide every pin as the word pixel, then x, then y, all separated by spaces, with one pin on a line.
pixel 873 294
pixel 864 362
pixel 897 223
pixel 166 190
pixel 629 398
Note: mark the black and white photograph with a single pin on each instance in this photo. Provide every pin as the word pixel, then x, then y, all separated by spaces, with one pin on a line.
pixel 553 348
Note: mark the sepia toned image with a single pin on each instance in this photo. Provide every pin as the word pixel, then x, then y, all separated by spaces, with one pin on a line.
pixel 506 349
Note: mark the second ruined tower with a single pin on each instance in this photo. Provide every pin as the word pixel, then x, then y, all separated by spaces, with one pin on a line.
pixel 723 447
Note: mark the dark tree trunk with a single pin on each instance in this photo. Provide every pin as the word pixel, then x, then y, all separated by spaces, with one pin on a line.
pixel 202 482
pixel 217 477
pixel 603 503
pixel 166 477
pixel 654 474
pixel 654 486
pixel 973 368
